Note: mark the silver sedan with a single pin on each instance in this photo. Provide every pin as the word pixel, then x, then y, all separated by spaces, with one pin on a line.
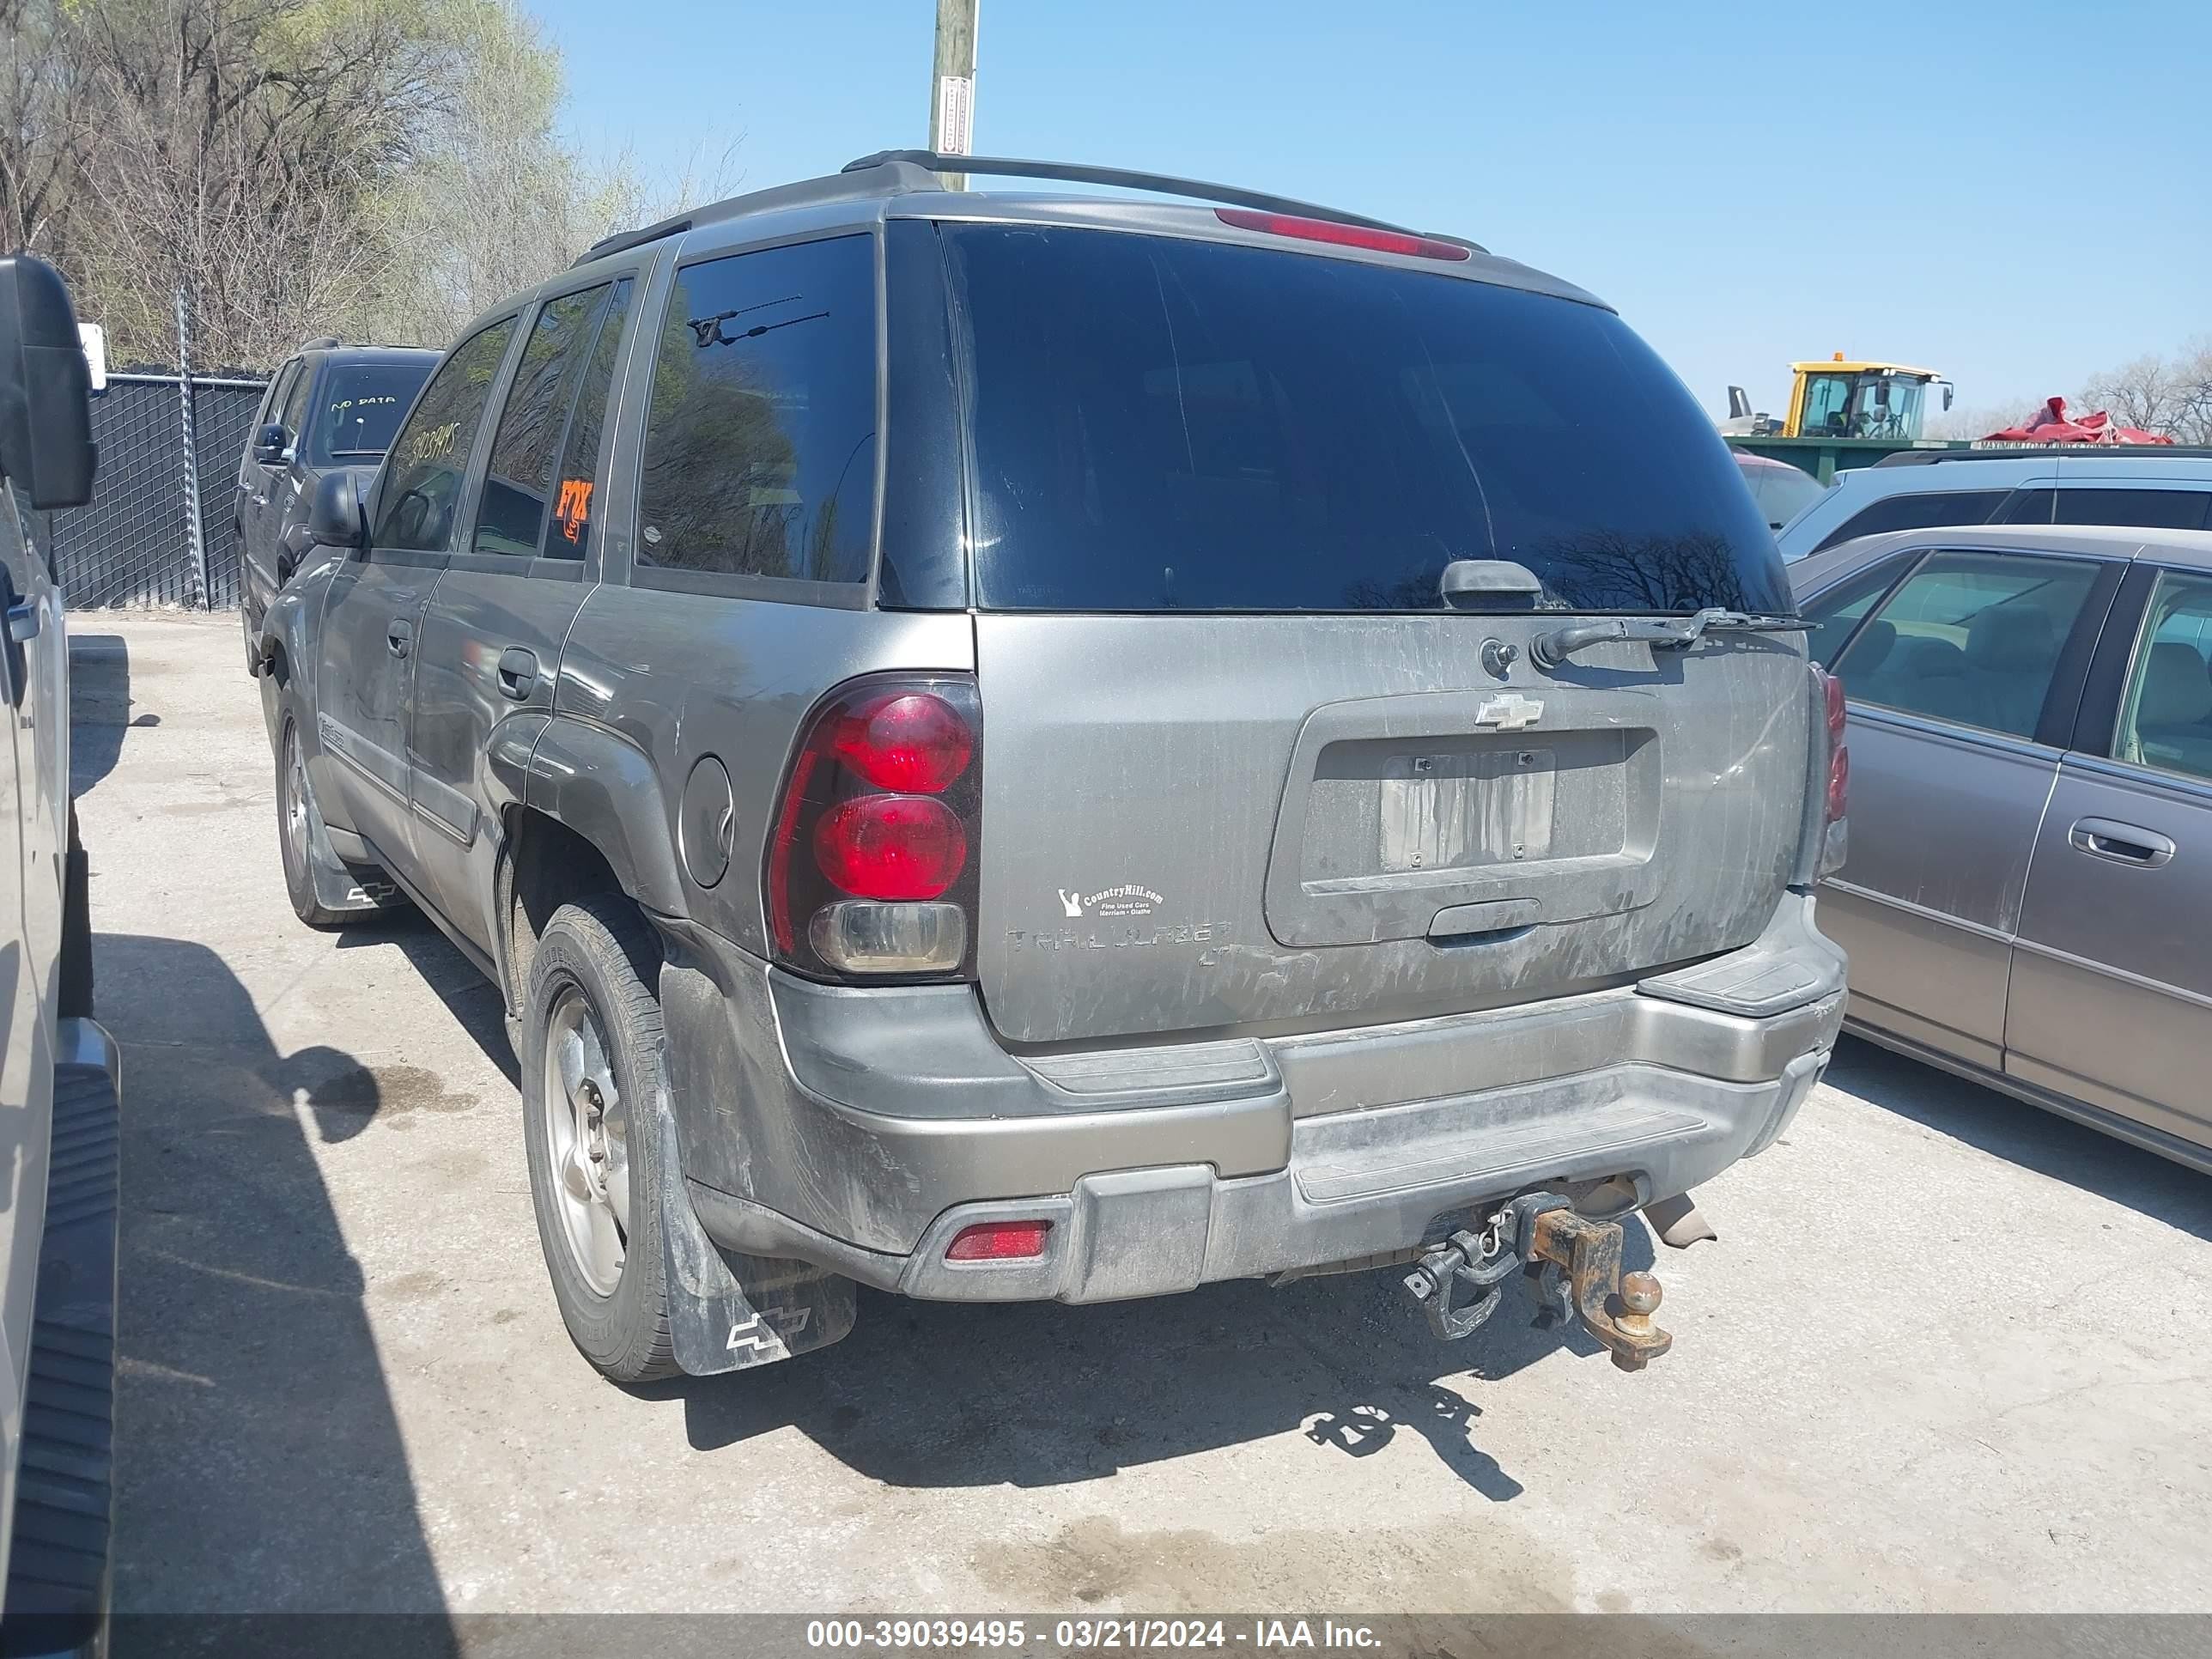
pixel 2029 887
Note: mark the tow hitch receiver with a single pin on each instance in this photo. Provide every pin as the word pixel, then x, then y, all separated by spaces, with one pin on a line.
pixel 1572 1265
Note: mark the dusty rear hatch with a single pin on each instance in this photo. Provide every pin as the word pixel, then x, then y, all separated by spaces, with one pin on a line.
pixel 1242 766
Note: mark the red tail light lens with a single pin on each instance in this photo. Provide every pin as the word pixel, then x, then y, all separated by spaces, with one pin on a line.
pixel 999 1241
pixel 1342 235
pixel 871 863
pixel 891 847
pixel 1839 754
pixel 905 740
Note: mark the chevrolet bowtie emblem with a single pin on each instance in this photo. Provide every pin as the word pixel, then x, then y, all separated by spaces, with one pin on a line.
pixel 1509 713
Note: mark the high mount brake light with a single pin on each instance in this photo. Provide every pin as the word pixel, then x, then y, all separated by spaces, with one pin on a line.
pixel 871 863
pixel 1343 235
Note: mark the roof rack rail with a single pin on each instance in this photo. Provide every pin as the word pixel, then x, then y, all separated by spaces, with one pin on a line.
pixel 2012 452
pixel 899 172
pixel 1007 167
pixel 844 186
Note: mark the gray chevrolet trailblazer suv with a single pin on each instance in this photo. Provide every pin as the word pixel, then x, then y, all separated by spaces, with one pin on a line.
pixel 1006 746
pixel 328 405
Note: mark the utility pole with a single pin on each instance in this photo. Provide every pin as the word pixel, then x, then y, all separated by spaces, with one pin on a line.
pixel 952 85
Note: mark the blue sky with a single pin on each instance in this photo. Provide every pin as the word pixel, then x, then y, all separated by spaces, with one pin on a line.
pixel 2015 195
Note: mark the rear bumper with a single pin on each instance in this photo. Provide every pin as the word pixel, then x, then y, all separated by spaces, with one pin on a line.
pixel 860 1130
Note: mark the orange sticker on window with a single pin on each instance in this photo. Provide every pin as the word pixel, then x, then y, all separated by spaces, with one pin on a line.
pixel 574 506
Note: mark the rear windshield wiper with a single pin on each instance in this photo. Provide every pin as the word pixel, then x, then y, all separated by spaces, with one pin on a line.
pixel 1663 632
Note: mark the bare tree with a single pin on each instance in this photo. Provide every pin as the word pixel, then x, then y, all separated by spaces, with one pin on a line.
pixel 2171 396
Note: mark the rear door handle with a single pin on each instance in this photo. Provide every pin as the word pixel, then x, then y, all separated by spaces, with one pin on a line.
pixel 518 673
pixel 400 636
pixel 2122 843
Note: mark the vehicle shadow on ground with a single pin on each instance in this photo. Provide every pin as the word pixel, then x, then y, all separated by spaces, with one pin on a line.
pixel 1035 1394
pixel 2026 1135
pixel 100 706
pixel 472 1000
pixel 934 1394
pixel 263 1469
pixel 939 1394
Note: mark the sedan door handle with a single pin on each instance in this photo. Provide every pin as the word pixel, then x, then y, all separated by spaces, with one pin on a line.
pixel 518 673
pixel 2122 843
pixel 400 636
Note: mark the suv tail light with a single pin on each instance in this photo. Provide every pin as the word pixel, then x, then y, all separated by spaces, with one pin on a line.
pixel 1833 842
pixel 1839 751
pixel 871 863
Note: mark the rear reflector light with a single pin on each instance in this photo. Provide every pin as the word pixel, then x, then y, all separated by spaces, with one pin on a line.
pixel 1342 235
pixel 872 861
pixel 909 740
pixel 999 1241
pixel 891 847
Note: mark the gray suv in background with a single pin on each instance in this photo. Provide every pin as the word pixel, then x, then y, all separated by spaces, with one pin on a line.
pixel 329 405
pixel 1034 746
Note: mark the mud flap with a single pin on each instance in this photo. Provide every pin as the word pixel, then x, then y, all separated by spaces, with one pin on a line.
pixel 727 1312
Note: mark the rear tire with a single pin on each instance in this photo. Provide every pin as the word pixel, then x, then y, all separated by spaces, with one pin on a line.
pixel 298 825
pixel 592 1084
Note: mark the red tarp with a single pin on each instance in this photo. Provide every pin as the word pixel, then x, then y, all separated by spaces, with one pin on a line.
pixel 2052 425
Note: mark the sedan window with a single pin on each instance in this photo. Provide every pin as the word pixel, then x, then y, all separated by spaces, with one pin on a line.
pixel 1971 638
pixel 2166 719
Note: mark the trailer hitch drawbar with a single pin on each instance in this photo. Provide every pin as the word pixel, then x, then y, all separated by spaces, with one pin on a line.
pixel 1571 1265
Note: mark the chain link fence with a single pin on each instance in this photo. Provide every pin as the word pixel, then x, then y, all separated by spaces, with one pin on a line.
pixel 169 453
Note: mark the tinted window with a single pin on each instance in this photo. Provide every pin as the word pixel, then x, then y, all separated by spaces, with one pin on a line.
pixel 1835 613
pixel 1917 509
pixel 422 478
pixel 293 410
pixel 1781 491
pixel 360 410
pixel 272 406
pixel 760 446
pixel 2166 719
pixel 1972 638
pixel 2030 506
pixel 2148 509
pixel 579 475
pixel 1163 424
pixel 519 476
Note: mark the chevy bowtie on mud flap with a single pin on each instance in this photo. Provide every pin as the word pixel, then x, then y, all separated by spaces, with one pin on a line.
pixel 1571 1265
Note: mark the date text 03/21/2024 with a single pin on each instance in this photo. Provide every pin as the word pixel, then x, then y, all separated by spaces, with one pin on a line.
pixel 1087 1634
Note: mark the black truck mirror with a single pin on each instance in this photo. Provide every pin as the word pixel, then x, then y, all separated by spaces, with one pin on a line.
pixel 45 387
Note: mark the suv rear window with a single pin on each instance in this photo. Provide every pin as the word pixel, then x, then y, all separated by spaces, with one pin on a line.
pixel 361 408
pixel 1163 424
pixel 1916 509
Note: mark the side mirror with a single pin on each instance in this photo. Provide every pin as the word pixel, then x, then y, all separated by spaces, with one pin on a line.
pixel 271 443
pixel 45 387
pixel 335 519
pixel 1882 394
pixel 1738 404
pixel 1947 390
